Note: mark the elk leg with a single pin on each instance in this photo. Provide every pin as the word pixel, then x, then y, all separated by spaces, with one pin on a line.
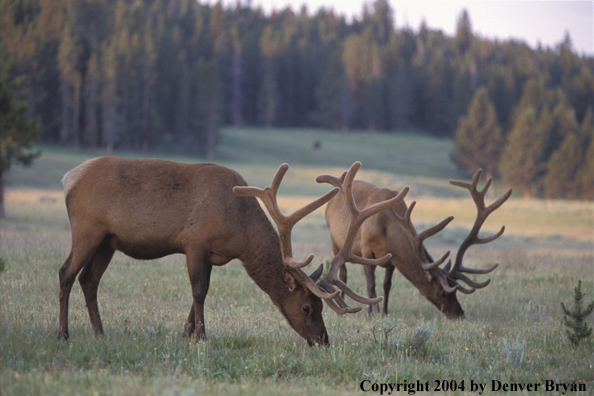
pixel 89 282
pixel 387 287
pixel 342 275
pixel 369 271
pixel 190 325
pixel 199 271
pixel 81 253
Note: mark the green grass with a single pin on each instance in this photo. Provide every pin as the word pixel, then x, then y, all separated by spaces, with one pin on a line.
pixel 513 333
pixel 403 152
pixel 419 161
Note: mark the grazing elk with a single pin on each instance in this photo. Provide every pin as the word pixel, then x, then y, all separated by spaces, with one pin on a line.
pixel 391 231
pixel 151 208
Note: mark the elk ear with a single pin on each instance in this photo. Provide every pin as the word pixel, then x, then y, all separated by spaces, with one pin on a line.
pixel 316 274
pixel 290 279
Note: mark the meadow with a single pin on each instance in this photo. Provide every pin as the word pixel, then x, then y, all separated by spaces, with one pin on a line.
pixel 513 332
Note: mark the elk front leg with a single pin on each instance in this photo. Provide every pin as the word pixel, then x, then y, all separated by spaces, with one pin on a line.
pixel 343 275
pixel 387 287
pixel 199 271
pixel 89 282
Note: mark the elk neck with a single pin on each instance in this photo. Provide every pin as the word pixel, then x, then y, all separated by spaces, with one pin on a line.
pixel 262 260
pixel 406 261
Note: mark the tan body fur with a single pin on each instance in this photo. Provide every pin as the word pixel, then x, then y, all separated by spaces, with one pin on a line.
pixel 153 208
pixel 382 234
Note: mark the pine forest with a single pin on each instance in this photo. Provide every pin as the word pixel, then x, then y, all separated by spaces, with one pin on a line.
pixel 139 74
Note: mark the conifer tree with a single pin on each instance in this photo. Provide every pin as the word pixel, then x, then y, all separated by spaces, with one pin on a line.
pixel 478 137
pixel 586 140
pixel 576 319
pixel 520 163
pixel 586 173
pixel 17 130
pixel 70 82
pixel 561 180
pixel 329 92
pixel 464 36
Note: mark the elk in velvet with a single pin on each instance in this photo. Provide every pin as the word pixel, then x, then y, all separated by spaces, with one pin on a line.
pixel 152 208
pixel 391 231
pixel 326 287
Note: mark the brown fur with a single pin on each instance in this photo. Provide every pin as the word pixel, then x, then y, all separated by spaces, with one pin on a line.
pixel 380 235
pixel 150 208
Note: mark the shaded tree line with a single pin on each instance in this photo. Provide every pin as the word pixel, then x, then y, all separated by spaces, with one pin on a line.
pixel 547 146
pixel 142 73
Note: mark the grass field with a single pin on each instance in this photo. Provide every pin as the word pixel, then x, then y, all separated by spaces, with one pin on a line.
pixel 513 333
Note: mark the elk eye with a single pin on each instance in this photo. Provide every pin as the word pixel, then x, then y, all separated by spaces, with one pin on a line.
pixel 306 309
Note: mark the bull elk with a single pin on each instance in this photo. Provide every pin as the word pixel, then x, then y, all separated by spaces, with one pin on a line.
pixel 149 208
pixel 392 232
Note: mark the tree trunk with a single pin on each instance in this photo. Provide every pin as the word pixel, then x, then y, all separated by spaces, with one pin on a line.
pixel 64 122
pixel 76 113
pixel 237 101
pixel 109 115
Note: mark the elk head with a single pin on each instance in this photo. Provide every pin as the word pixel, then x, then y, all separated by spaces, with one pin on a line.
pixel 443 281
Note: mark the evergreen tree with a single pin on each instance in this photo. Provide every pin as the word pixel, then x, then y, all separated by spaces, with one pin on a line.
pixel 91 83
pixel 461 88
pixel 530 142
pixel 362 65
pixel 576 319
pixel 328 93
pixel 561 180
pixel 271 47
pixel 583 91
pixel 502 91
pixel 382 21
pixel 564 122
pixel 437 99
pixel 521 160
pixel 109 96
pixel 586 131
pixel 70 77
pixel 17 130
pixel 478 137
pixel 586 173
pixel 464 37
pixel 207 113
pixel 237 79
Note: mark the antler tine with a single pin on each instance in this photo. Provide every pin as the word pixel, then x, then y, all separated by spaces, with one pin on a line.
pixel 417 239
pixel 473 239
pixel 284 223
pixel 442 277
pixel 435 264
pixel 357 217
pixel 435 229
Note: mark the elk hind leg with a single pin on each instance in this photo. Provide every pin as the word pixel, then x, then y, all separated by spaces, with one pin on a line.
pixel 190 325
pixel 387 287
pixel 369 271
pixel 81 253
pixel 89 282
